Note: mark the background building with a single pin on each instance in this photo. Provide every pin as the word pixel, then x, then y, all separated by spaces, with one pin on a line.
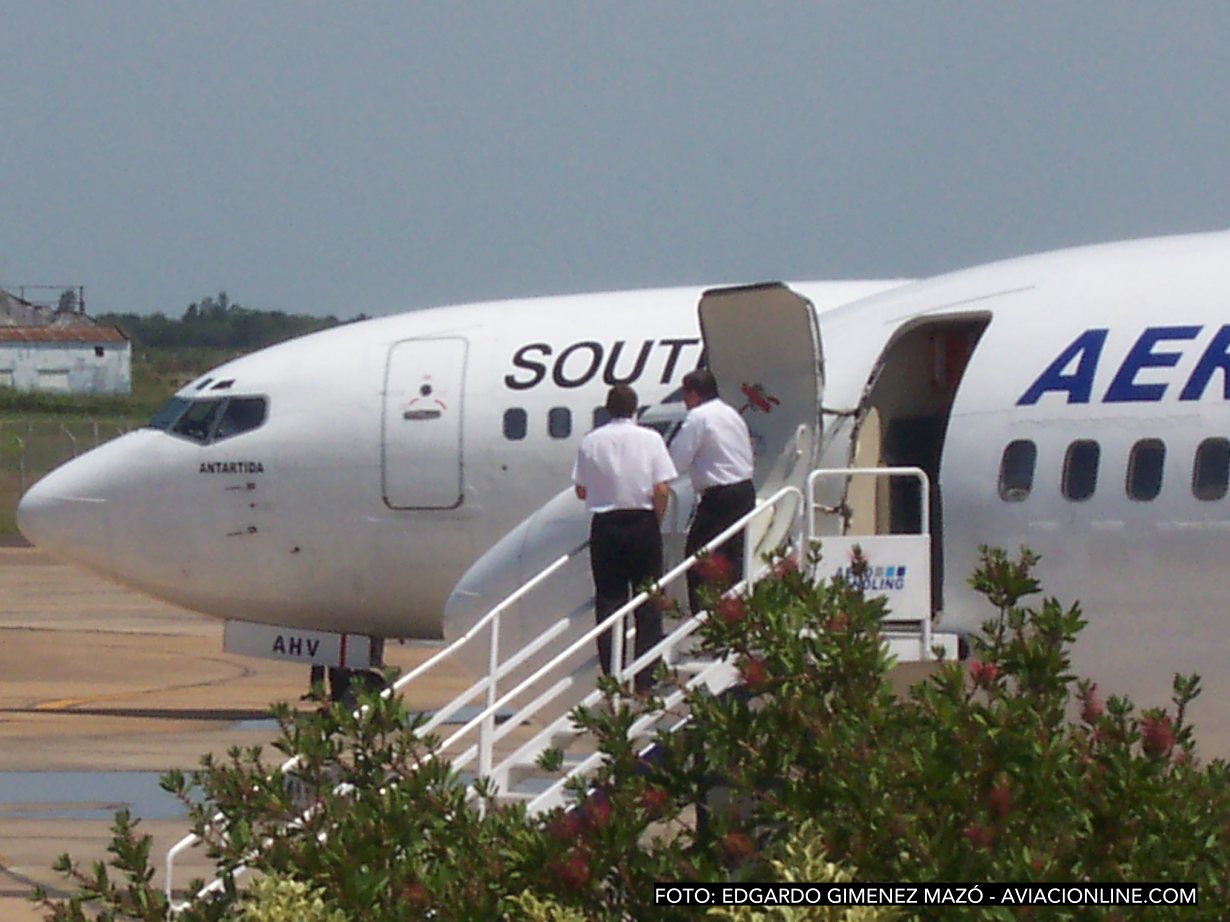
pixel 59 350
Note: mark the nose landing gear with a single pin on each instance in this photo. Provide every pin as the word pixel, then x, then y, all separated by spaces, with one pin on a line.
pixel 345 685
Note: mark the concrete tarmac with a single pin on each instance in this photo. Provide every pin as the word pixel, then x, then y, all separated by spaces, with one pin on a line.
pixel 99 680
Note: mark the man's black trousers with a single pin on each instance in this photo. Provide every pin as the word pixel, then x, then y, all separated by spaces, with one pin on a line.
pixel 720 507
pixel 625 552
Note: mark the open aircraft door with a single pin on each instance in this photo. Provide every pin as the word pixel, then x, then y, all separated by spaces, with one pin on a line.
pixel 763 347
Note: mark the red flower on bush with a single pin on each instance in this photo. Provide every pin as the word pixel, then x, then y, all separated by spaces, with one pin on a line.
pixel 1156 736
pixel 753 672
pixel 999 800
pixel 573 870
pixel 786 565
pixel 1091 705
pixel 979 836
pixel 983 674
pixel 653 801
pixel 839 622
pixel 715 570
pixel 597 810
pixel 566 827
pixel 731 610
pixel 416 895
pixel 737 846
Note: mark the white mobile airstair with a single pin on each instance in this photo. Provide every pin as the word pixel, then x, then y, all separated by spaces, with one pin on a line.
pixel 504 740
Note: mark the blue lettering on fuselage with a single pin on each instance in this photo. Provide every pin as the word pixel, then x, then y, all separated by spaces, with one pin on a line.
pixel 1085 350
pixel 1072 372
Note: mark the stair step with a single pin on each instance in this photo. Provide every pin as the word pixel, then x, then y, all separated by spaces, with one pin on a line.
pixel 693 667
pixel 519 773
pixel 512 795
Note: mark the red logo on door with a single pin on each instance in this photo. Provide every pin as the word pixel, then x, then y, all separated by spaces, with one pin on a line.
pixel 758 398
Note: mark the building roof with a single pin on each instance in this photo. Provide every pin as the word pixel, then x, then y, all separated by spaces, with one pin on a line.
pixel 83 333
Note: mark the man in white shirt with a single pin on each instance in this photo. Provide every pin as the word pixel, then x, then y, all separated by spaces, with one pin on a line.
pixel 715 449
pixel 623 472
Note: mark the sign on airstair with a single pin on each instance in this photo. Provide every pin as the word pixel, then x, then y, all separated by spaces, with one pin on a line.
pixel 894 567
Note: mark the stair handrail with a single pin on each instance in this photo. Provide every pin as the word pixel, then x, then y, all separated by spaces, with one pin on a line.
pixel 886 472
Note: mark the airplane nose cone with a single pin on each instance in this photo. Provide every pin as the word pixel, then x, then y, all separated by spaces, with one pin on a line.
pixel 35 510
pixel 56 514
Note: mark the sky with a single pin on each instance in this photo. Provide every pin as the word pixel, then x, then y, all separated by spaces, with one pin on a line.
pixel 345 158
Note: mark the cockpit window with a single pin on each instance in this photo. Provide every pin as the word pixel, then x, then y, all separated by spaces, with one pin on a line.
pixel 198 420
pixel 212 419
pixel 168 413
pixel 242 414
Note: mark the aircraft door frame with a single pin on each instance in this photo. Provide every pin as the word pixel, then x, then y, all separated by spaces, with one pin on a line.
pixel 421 459
pixel 763 346
pixel 903 421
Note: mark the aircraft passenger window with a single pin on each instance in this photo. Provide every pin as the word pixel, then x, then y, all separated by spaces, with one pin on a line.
pixel 1080 469
pixel 168 413
pixel 559 422
pixel 515 425
pixel 198 420
pixel 242 414
pixel 601 417
pixel 1211 472
pixel 1016 470
pixel 1145 465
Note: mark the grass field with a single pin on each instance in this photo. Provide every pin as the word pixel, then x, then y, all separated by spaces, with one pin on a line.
pixel 30 446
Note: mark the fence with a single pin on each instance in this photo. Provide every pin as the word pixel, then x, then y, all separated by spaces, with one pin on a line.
pixel 29 449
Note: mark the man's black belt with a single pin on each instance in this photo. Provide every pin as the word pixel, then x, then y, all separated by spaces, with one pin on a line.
pixel 623 514
pixel 710 491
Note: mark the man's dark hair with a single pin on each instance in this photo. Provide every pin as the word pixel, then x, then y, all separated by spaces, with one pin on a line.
pixel 701 383
pixel 621 401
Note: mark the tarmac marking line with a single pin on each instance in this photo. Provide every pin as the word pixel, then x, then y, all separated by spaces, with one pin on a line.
pixel 239 671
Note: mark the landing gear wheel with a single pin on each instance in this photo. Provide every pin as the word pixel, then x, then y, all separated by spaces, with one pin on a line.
pixel 345 685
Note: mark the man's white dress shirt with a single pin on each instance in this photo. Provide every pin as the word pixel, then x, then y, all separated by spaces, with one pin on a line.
pixel 713 446
pixel 619 464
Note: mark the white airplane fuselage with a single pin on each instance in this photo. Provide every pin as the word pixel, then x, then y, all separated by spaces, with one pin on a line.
pixel 1076 402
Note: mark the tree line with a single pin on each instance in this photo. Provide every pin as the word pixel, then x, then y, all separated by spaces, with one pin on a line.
pixel 217 323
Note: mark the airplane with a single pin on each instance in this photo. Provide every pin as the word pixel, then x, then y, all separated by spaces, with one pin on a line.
pixel 325 494
pixel 1072 401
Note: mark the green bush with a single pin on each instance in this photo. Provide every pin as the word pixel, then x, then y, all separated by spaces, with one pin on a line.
pixel 526 907
pixel 803 860
pixel 1004 768
pixel 279 899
